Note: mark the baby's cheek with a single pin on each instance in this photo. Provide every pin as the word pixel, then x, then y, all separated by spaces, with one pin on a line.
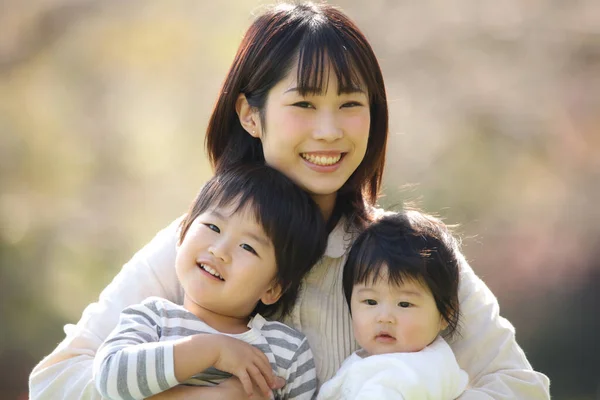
pixel 359 332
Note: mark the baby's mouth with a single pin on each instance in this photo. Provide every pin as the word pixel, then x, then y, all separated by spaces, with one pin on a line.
pixel 384 336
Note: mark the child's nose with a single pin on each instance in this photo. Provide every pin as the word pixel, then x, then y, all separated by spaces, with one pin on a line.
pixel 220 251
pixel 385 316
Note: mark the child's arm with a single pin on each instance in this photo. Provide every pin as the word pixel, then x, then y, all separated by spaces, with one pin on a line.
pixel 133 363
pixel 302 380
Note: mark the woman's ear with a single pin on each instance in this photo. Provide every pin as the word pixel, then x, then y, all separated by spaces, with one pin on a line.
pixel 248 115
pixel 272 294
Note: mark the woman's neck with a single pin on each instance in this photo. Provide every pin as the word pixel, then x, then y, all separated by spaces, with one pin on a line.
pixel 326 203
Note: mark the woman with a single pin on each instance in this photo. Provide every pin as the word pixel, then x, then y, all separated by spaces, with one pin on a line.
pixel 304 94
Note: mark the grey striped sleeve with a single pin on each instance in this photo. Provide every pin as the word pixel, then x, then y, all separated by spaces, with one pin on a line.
pixel 292 353
pixel 302 382
pixel 133 363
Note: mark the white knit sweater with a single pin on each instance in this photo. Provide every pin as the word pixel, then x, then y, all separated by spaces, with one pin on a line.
pixel 486 348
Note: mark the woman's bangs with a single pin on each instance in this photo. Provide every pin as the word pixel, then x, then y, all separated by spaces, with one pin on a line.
pixel 317 53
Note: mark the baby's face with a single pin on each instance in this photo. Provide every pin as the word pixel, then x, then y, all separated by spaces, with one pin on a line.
pixel 394 319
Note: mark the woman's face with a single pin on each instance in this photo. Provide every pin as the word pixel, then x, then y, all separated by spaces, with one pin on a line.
pixel 317 140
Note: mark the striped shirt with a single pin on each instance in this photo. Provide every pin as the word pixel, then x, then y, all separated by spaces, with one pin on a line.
pixel 136 360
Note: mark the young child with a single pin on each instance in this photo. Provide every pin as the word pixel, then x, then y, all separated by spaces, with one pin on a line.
pixel 247 241
pixel 401 284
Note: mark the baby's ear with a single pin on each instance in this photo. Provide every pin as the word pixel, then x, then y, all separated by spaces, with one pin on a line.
pixel 272 294
pixel 443 323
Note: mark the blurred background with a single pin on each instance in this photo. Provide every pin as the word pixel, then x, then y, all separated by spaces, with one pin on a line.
pixel 495 125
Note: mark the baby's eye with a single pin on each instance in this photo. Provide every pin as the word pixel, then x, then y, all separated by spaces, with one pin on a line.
pixel 249 248
pixel 213 227
pixel 404 304
pixel 303 104
pixel 370 302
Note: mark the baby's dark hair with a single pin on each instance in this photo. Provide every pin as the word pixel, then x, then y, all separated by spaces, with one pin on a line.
pixel 288 215
pixel 413 246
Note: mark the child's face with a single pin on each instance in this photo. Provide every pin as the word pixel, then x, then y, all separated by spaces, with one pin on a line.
pixel 234 246
pixel 394 319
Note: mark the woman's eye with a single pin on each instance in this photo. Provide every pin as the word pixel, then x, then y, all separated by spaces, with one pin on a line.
pixel 249 248
pixel 351 104
pixel 370 302
pixel 213 227
pixel 303 104
pixel 404 304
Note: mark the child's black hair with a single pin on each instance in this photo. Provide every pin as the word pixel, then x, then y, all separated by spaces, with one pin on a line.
pixel 410 246
pixel 288 215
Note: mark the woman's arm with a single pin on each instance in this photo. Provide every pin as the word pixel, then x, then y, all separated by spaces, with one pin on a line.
pixel 487 350
pixel 67 371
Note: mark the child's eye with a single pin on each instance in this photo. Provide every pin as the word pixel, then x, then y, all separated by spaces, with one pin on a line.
pixel 404 304
pixel 213 227
pixel 370 302
pixel 303 104
pixel 249 248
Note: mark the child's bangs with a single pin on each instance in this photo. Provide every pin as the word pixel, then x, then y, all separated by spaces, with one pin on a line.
pixel 251 201
pixel 320 50
pixel 374 263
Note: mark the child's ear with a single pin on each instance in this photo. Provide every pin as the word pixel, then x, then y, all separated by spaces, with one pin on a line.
pixel 272 294
pixel 248 115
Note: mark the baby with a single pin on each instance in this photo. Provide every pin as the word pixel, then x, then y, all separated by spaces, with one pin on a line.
pixel 401 284
pixel 247 241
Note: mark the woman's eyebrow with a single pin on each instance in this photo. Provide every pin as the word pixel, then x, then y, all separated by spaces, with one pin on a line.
pixel 352 90
pixel 344 90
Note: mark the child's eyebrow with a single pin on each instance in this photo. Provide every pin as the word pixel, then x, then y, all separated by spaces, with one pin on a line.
pixel 259 238
pixel 217 214
pixel 364 290
pixel 410 293
pixel 406 292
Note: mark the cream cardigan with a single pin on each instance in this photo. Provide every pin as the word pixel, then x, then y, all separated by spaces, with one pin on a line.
pixel 486 350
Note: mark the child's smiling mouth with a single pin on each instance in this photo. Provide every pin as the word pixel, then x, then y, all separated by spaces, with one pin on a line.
pixel 209 270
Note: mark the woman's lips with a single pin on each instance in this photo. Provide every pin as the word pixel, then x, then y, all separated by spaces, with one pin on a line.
pixel 323 161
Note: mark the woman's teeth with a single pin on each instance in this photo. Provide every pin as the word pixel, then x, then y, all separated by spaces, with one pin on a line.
pixel 211 271
pixel 321 160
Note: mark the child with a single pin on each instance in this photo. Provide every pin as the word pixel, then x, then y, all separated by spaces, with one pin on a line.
pixel 246 243
pixel 401 284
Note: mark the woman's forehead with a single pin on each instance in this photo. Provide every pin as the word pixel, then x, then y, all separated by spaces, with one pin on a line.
pixel 321 76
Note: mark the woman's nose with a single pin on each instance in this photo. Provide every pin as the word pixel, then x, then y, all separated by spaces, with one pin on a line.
pixel 327 127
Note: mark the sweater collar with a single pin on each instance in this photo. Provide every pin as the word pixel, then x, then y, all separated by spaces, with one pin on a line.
pixel 342 236
pixel 339 240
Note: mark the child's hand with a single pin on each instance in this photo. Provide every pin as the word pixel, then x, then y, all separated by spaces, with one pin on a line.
pixel 246 362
